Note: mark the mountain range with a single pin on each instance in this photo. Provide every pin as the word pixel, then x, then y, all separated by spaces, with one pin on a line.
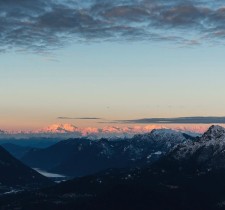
pixel 82 156
pixel 190 176
pixel 65 131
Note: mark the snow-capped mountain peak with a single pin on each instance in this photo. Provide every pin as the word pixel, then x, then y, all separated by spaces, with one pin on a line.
pixel 215 132
pixel 207 152
pixel 60 128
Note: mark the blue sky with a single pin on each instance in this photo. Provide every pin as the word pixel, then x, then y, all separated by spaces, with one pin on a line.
pixel 111 75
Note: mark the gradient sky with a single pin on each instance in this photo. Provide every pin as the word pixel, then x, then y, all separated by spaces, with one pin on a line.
pixel 111 76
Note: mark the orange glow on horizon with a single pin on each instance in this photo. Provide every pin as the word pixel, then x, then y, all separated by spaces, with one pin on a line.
pixel 113 128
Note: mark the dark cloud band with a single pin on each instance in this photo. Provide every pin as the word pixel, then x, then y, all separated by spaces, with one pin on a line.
pixel 79 118
pixel 45 25
pixel 179 120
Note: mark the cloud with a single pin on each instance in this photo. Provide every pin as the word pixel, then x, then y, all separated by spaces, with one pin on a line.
pixel 79 118
pixel 178 120
pixel 45 25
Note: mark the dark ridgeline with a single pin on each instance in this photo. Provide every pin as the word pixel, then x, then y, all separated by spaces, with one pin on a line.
pixel 16 150
pixel 14 173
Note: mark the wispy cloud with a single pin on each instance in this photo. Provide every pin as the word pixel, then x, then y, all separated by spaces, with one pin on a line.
pixel 178 120
pixel 79 118
pixel 46 24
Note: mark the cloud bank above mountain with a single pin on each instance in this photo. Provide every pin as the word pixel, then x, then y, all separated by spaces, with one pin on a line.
pixel 177 120
pixel 45 25
pixel 79 118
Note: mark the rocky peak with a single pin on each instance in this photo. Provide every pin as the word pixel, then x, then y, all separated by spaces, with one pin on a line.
pixel 214 132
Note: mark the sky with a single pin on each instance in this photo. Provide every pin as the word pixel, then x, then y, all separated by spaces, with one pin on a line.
pixel 103 62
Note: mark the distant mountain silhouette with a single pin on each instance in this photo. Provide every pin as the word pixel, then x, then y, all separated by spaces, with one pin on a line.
pixel 13 172
pixel 16 150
